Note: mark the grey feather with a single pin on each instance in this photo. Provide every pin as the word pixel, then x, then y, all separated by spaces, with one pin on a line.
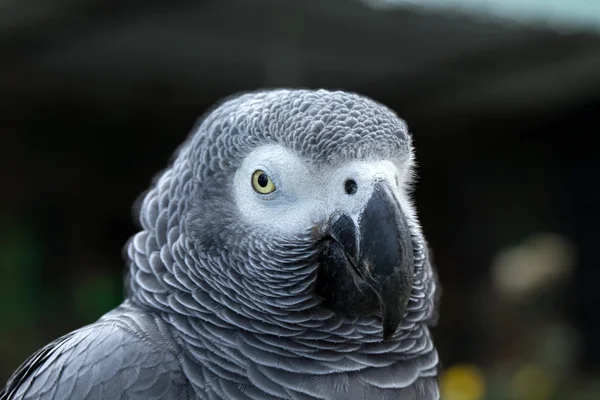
pixel 120 357
pixel 220 308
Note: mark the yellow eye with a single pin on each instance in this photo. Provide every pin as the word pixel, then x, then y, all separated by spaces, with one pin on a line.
pixel 262 183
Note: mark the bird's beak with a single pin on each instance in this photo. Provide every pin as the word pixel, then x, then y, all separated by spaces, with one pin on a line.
pixel 366 264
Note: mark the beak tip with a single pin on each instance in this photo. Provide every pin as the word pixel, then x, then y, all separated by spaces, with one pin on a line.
pixel 387 335
pixel 390 323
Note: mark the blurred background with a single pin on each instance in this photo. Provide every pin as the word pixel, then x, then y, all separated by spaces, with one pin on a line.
pixel 502 97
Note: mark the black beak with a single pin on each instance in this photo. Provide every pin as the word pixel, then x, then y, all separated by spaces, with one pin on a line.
pixel 368 269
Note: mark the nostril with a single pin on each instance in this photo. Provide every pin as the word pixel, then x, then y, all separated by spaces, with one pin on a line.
pixel 397 180
pixel 350 186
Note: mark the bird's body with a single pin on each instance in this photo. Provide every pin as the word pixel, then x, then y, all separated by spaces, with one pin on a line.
pixel 279 258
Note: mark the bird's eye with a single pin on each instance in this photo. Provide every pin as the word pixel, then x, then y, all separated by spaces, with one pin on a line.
pixel 262 183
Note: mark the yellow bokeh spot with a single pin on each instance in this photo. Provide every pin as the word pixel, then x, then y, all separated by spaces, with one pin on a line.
pixel 462 382
pixel 531 382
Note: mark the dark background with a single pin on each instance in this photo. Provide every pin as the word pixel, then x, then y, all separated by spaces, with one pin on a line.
pixel 96 95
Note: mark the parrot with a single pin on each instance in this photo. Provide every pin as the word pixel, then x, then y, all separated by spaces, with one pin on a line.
pixel 278 256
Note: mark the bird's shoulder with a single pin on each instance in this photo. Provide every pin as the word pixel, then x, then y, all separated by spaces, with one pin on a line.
pixel 124 355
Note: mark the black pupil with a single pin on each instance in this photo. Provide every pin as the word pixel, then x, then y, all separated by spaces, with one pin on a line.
pixel 263 180
pixel 350 186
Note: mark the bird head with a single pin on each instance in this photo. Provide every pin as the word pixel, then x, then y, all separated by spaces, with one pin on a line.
pixel 291 206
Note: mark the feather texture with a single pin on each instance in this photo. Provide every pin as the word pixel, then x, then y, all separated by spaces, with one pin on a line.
pixel 125 355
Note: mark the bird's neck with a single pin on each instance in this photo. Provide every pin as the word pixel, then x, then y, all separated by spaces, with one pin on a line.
pixel 231 338
pixel 235 344
pixel 277 364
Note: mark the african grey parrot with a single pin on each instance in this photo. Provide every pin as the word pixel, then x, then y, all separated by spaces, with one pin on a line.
pixel 280 257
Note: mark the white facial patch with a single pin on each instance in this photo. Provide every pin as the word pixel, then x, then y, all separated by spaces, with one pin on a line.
pixel 305 195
